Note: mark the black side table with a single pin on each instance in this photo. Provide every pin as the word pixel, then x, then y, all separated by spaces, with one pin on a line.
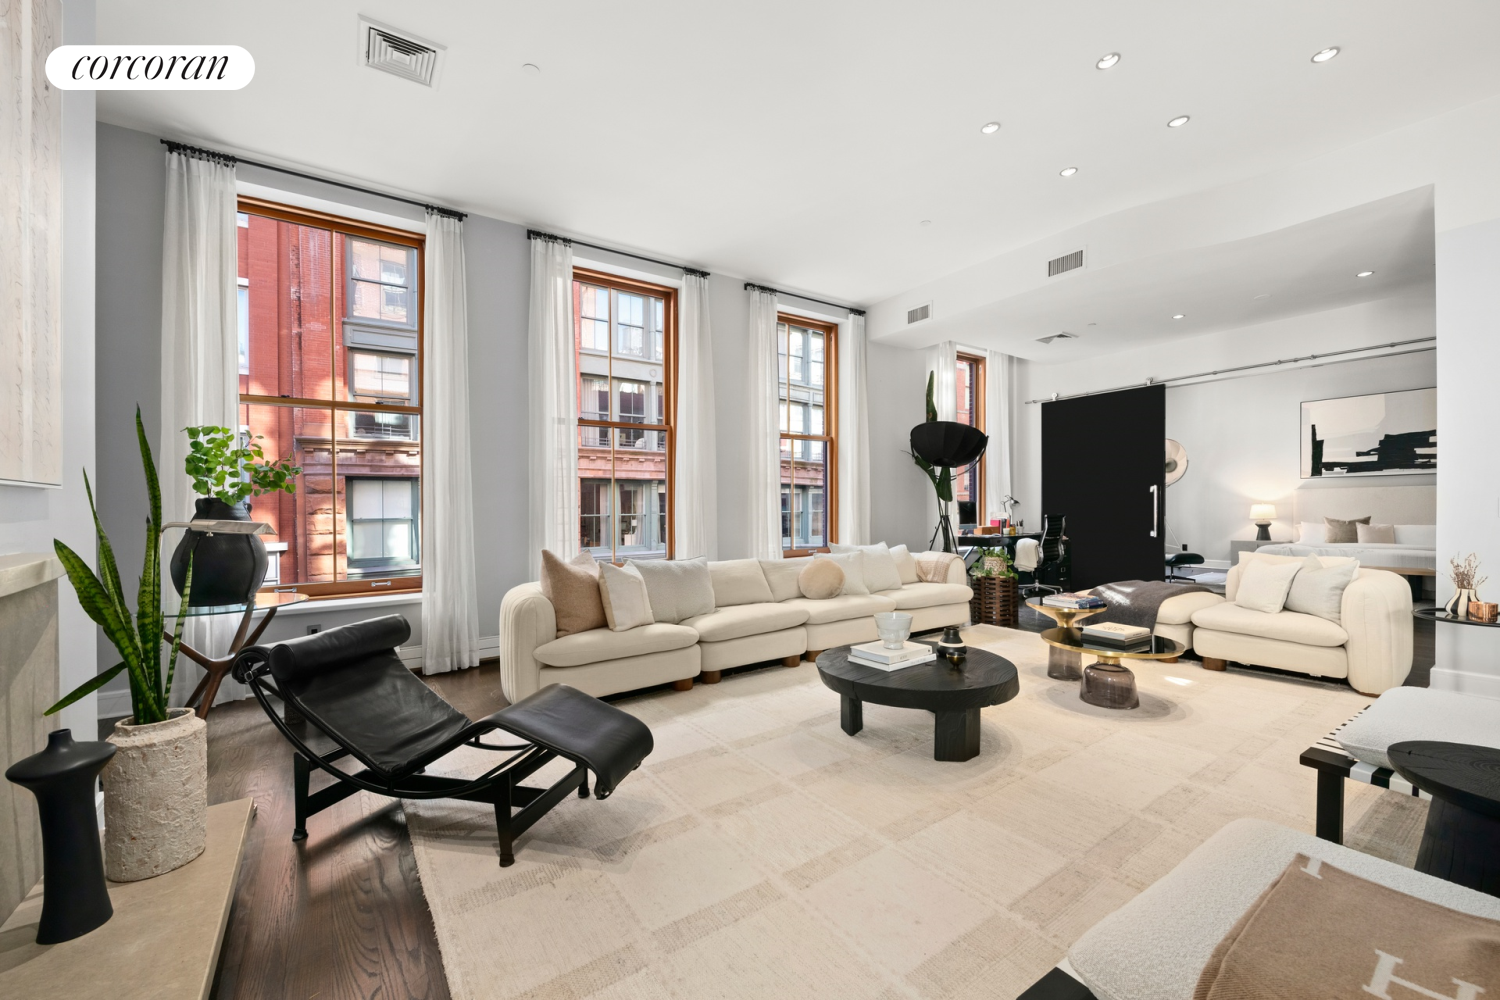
pixel 1462 840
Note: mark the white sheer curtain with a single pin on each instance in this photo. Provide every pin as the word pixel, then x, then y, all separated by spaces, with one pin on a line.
pixel 1000 456
pixel 199 358
pixel 854 434
pixel 553 445
pixel 696 519
pixel 763 428
pixel 942 363
pixel 450 601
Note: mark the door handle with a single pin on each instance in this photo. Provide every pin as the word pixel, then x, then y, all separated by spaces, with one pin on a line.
pixel 1155 510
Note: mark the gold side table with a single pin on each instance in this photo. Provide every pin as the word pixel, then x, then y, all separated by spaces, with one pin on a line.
pixel 1108 683
pixel 1063 664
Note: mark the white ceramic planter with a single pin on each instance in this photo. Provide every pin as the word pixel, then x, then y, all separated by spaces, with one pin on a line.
pixel 156 797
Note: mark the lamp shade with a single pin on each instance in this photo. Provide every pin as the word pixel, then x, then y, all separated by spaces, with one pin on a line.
pixel 947 443
pixel 1263 512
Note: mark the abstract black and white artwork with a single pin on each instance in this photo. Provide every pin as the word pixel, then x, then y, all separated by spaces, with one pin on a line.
pixel 1382 434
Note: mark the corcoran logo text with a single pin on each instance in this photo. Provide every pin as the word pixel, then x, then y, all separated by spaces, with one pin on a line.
pixel 150 67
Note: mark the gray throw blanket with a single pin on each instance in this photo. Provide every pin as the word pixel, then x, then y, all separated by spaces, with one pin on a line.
pixel 1134 602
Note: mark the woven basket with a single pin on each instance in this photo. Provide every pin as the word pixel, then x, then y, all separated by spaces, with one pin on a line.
pixel 994 601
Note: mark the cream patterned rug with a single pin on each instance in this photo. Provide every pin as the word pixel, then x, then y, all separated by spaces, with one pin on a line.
pixel 761 852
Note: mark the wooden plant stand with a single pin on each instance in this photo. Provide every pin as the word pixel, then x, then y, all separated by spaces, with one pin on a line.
pixel 995 601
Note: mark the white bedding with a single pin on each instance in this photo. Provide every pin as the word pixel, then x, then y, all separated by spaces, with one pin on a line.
pixel 1384 556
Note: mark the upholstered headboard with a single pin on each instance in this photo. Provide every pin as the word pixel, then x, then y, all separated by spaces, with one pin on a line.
pixel 1384 504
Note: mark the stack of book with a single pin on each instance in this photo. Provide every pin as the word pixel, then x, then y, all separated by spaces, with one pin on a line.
pixel 1073 602
pixel 1115 634
pixel 874 654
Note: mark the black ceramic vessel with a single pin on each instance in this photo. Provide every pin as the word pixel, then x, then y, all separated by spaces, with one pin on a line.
pixel 227 569
pixel 75 899
pixel 952 645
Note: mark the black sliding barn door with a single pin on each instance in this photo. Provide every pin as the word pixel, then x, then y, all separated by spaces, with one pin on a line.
pixel 1102 466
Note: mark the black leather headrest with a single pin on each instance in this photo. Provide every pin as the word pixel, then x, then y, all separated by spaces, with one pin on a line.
pixel 297 660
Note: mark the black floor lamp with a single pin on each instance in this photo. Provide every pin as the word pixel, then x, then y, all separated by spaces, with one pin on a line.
pixel 939 447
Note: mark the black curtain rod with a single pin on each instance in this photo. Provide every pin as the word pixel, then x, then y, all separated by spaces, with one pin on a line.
pixel 751 286
pixel 230 160
pixel 537 234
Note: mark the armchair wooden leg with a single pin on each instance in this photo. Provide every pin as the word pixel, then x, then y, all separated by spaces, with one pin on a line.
pixel 710 676
pixel 1172 660
pixel 1214 663
pixel 791 661
pixel 683 685
pixel 811 656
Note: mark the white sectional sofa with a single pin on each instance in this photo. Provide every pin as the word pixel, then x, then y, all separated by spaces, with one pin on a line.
pixel 744 628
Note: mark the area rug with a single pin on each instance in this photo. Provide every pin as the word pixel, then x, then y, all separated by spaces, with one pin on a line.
pixel 761 852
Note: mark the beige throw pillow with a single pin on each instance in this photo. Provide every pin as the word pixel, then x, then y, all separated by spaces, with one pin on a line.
pixel 1318 588
pixel 877 565
pixel 626 602
pixel 1375 534
pixel 739 581
pixel 906 565
pixel 1340 532
pixel 677 588
pixel 821 579
pixel 1264 584
pixel 850 563
pixel 573 589
pixel 781 576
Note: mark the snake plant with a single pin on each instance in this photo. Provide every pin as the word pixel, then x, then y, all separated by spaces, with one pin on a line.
pixel 138 637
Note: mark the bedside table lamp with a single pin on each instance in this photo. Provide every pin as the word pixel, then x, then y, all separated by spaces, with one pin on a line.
pixel 1263 514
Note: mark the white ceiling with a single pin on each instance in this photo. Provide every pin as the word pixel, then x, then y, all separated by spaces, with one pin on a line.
pixel 1305 268
pixel 801 143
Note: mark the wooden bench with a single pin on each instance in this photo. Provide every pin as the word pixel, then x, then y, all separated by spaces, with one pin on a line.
pixel 1335 765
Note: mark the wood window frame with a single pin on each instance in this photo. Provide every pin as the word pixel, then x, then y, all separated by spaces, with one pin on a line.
pixel 978 361
pixel 669 295
pixel 343 227
pixel 830 331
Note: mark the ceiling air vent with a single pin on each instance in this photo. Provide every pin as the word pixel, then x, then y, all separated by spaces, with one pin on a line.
pixel 1067 262
pixel 1065 335
pixel 398 53
pixel 918 314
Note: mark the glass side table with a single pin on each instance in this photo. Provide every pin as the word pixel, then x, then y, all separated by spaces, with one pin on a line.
pixel 217 667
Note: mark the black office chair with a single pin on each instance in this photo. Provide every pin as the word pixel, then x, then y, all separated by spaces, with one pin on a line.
pixel 1051 558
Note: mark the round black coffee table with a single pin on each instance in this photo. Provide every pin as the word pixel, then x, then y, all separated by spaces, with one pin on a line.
pixel 1462 840
pixel 954 694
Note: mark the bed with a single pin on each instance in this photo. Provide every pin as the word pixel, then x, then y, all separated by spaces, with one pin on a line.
pixel 1412 509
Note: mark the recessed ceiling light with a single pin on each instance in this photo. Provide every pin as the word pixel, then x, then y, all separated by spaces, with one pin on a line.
pixel 531 69
pixel 1108 61
pixel 1179 316
pixel 1179 121
pixel 991 128
pixel 1323 55
pixel 1364 274
pixel 1068 171
pixel 925 222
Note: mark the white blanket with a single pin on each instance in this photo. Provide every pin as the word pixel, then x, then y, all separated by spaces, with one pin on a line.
pixel 1028 554
pixel 1374 555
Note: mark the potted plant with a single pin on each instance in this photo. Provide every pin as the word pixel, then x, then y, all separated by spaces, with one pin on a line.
pixel 156 785
pixel 225 475
pixel 993 580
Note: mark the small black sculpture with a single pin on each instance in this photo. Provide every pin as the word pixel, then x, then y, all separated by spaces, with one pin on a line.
pixel 75 899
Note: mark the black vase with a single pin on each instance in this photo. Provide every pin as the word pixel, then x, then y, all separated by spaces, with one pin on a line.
pixel 75 899
pixel 227 569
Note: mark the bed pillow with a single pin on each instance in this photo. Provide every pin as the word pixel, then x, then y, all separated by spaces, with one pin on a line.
pixel 906 564
pixel 1421 535
pixel 626 602
pixel 1342 532
pixel 573 589
pixel 852 565
pixel 876 564
pixel 1318 588
pixel 821 580
pixel 676 588
pixel 1264 584
pixel 1375 534
pixel 1312 533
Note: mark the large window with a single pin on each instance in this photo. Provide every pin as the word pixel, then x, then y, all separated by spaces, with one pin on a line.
pixel 969 489
pixel 329 376
pixel 806 358
pixel 625 333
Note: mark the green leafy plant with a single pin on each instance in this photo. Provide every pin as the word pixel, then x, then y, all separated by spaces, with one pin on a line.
pixel 985 565
pixel 221 467
pixel 138 638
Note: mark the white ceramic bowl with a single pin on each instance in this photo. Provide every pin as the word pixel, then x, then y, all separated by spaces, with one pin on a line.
pixel 893 627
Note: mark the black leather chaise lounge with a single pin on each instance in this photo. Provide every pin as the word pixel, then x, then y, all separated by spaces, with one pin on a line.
pixel 349 683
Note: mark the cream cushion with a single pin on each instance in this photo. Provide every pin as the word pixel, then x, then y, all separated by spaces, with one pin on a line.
pixel 1318 588
pixel 821 579
pixel 1264 585
pixel 600 644
pixel 1311 533
pixel 1423 535
pixel 906 564
pixel 1179 610
pixel 1375 534
pixel 745 619
pixel 781 576
pixel 739 581
pixel 676 588
pixel 852 565
pixel 626 601
pixel 573 589
pixel 877 566
pixel 927 595
pixel 1288 626
pixel 843 608
pixel 1408 713
pixel 1154 947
